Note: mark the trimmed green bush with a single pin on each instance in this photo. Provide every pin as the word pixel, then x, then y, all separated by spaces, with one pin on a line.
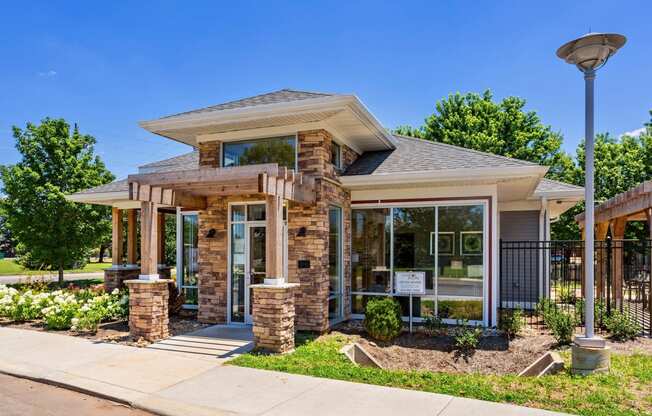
pixel 562 325
pixel 468 337
pixel 383 319
pixel 621 326
pixel 511 322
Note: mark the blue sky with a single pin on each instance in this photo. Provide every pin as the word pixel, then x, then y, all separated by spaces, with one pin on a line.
pixel 109 65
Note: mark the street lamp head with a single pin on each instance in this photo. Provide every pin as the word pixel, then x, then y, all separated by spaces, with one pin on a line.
pixel 591 51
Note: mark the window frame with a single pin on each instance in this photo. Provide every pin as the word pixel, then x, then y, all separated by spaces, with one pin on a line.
pixel 338 165
pixel 486 253
pixel 295 135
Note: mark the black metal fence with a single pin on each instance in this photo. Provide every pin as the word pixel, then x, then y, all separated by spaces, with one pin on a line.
pixel 554 270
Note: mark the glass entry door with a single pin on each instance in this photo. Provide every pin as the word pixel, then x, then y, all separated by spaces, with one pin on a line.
pixel 255 270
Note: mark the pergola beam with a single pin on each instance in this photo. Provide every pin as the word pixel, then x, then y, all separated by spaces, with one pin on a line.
pixel 630 205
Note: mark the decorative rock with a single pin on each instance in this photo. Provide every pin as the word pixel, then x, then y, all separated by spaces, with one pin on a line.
pixel 148 309
pixel 586 360
pixel 273 316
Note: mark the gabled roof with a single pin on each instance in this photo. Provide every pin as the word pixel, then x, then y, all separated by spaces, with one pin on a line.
pixel 419 155
pixel 185 161
pixel 281 96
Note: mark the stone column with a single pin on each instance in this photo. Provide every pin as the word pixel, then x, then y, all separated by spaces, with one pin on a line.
pixel 148 309
pixel 273 316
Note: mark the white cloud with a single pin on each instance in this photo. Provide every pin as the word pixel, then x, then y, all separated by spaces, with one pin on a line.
pixel 48 74
pixel 634 133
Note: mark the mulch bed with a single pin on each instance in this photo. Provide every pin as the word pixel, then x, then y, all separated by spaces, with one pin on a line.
pixel 118 332
pixel 495 355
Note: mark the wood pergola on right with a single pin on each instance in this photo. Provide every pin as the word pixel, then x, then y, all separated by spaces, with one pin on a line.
pixel 614 214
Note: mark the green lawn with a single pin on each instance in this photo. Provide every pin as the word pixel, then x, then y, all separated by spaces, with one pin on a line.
pixel 10 267
pixel 627 390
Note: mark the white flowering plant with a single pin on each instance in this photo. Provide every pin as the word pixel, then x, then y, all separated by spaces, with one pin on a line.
pixel 79 310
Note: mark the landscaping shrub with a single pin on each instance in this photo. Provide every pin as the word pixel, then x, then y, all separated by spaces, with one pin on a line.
pixel 621 326
pixel 561 324
pixel 511 322
pixel 545 306
pixel 567 295
pixel 383 319
pixel 467 337
pixel 74 309
pixel 434 325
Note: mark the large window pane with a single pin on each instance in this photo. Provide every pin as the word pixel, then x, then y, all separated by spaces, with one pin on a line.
pixel 237 272
pixel 414 229
pixel 335 261
pixel 460 249
pixel 190 268
pixel 279 150
pixel 370 250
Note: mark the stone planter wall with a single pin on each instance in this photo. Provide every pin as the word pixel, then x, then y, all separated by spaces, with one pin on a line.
pixel 114 277
pixel 273 316
pixel 148 309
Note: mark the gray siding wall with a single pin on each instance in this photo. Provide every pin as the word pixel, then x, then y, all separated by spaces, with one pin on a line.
pixel 519 262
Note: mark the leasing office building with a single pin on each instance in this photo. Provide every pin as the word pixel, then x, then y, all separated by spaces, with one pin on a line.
pixel 309 187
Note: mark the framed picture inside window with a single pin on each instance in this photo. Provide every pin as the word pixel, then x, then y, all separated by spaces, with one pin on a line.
pixel 445 244
pixel 471 243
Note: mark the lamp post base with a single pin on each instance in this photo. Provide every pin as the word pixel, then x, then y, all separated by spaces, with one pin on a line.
pixel 590 356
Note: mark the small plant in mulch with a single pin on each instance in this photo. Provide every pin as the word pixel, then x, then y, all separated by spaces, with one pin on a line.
pixel 561 324
pixel 383 319
pixel 511 322
pixel 467 337
pixel 434 325
pixel 621 326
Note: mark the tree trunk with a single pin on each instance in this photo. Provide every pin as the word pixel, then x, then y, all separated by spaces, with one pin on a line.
pixel 61 275
pixel 100 258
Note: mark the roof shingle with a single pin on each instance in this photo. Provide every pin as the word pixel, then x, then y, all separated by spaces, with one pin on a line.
pixel 275 97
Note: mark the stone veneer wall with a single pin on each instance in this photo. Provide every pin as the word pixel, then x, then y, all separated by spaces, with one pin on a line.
pixel 148 309
pixel 209 154
pixel 311 302
pixel 312 296
pixel 273 316
pixel 213 258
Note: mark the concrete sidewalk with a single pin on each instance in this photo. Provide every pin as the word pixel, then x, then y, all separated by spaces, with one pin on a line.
pixel 48 277
pixel 176 383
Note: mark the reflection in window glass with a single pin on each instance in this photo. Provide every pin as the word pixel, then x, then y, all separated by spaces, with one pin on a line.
pixel 335 154
pixel 238 213
pixel 188 281
pixel 460 259
pixel 237 272
pixel 370 250
pixel 335 262
pixel 256 212
pixel 279 150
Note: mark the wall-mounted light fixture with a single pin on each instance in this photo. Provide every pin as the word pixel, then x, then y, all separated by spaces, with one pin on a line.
pixel 301 232
pixel 211 233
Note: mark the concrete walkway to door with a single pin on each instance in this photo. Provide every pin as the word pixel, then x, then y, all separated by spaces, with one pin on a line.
pixel 185 384
pixel 217 341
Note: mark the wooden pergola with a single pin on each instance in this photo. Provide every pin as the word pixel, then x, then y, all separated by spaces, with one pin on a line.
pixel 614 214
pixel 190 189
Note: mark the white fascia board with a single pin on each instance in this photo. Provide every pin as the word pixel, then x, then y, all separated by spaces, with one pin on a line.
pixel 340 102
pixel 103 198
pixel 442 176
pixel 569 194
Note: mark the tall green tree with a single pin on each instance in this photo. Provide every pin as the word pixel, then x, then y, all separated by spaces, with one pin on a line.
pixel 50 230
pixel 476 121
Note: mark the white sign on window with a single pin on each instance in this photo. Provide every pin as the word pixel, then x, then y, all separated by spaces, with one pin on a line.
pixel 410 283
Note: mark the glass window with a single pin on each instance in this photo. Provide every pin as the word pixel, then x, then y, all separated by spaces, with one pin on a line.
pixel 336 154
pixel 237 272
pixel 413 231
pixel 281 150
pixel 335 262
pixel 190 268
pixel 238 213
pixel 256 212
pixel 460 249
pixel 370 250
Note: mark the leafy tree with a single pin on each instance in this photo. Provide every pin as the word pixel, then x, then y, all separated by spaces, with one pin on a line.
pixel 7 245
pixel 504 128
pixel 50 230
